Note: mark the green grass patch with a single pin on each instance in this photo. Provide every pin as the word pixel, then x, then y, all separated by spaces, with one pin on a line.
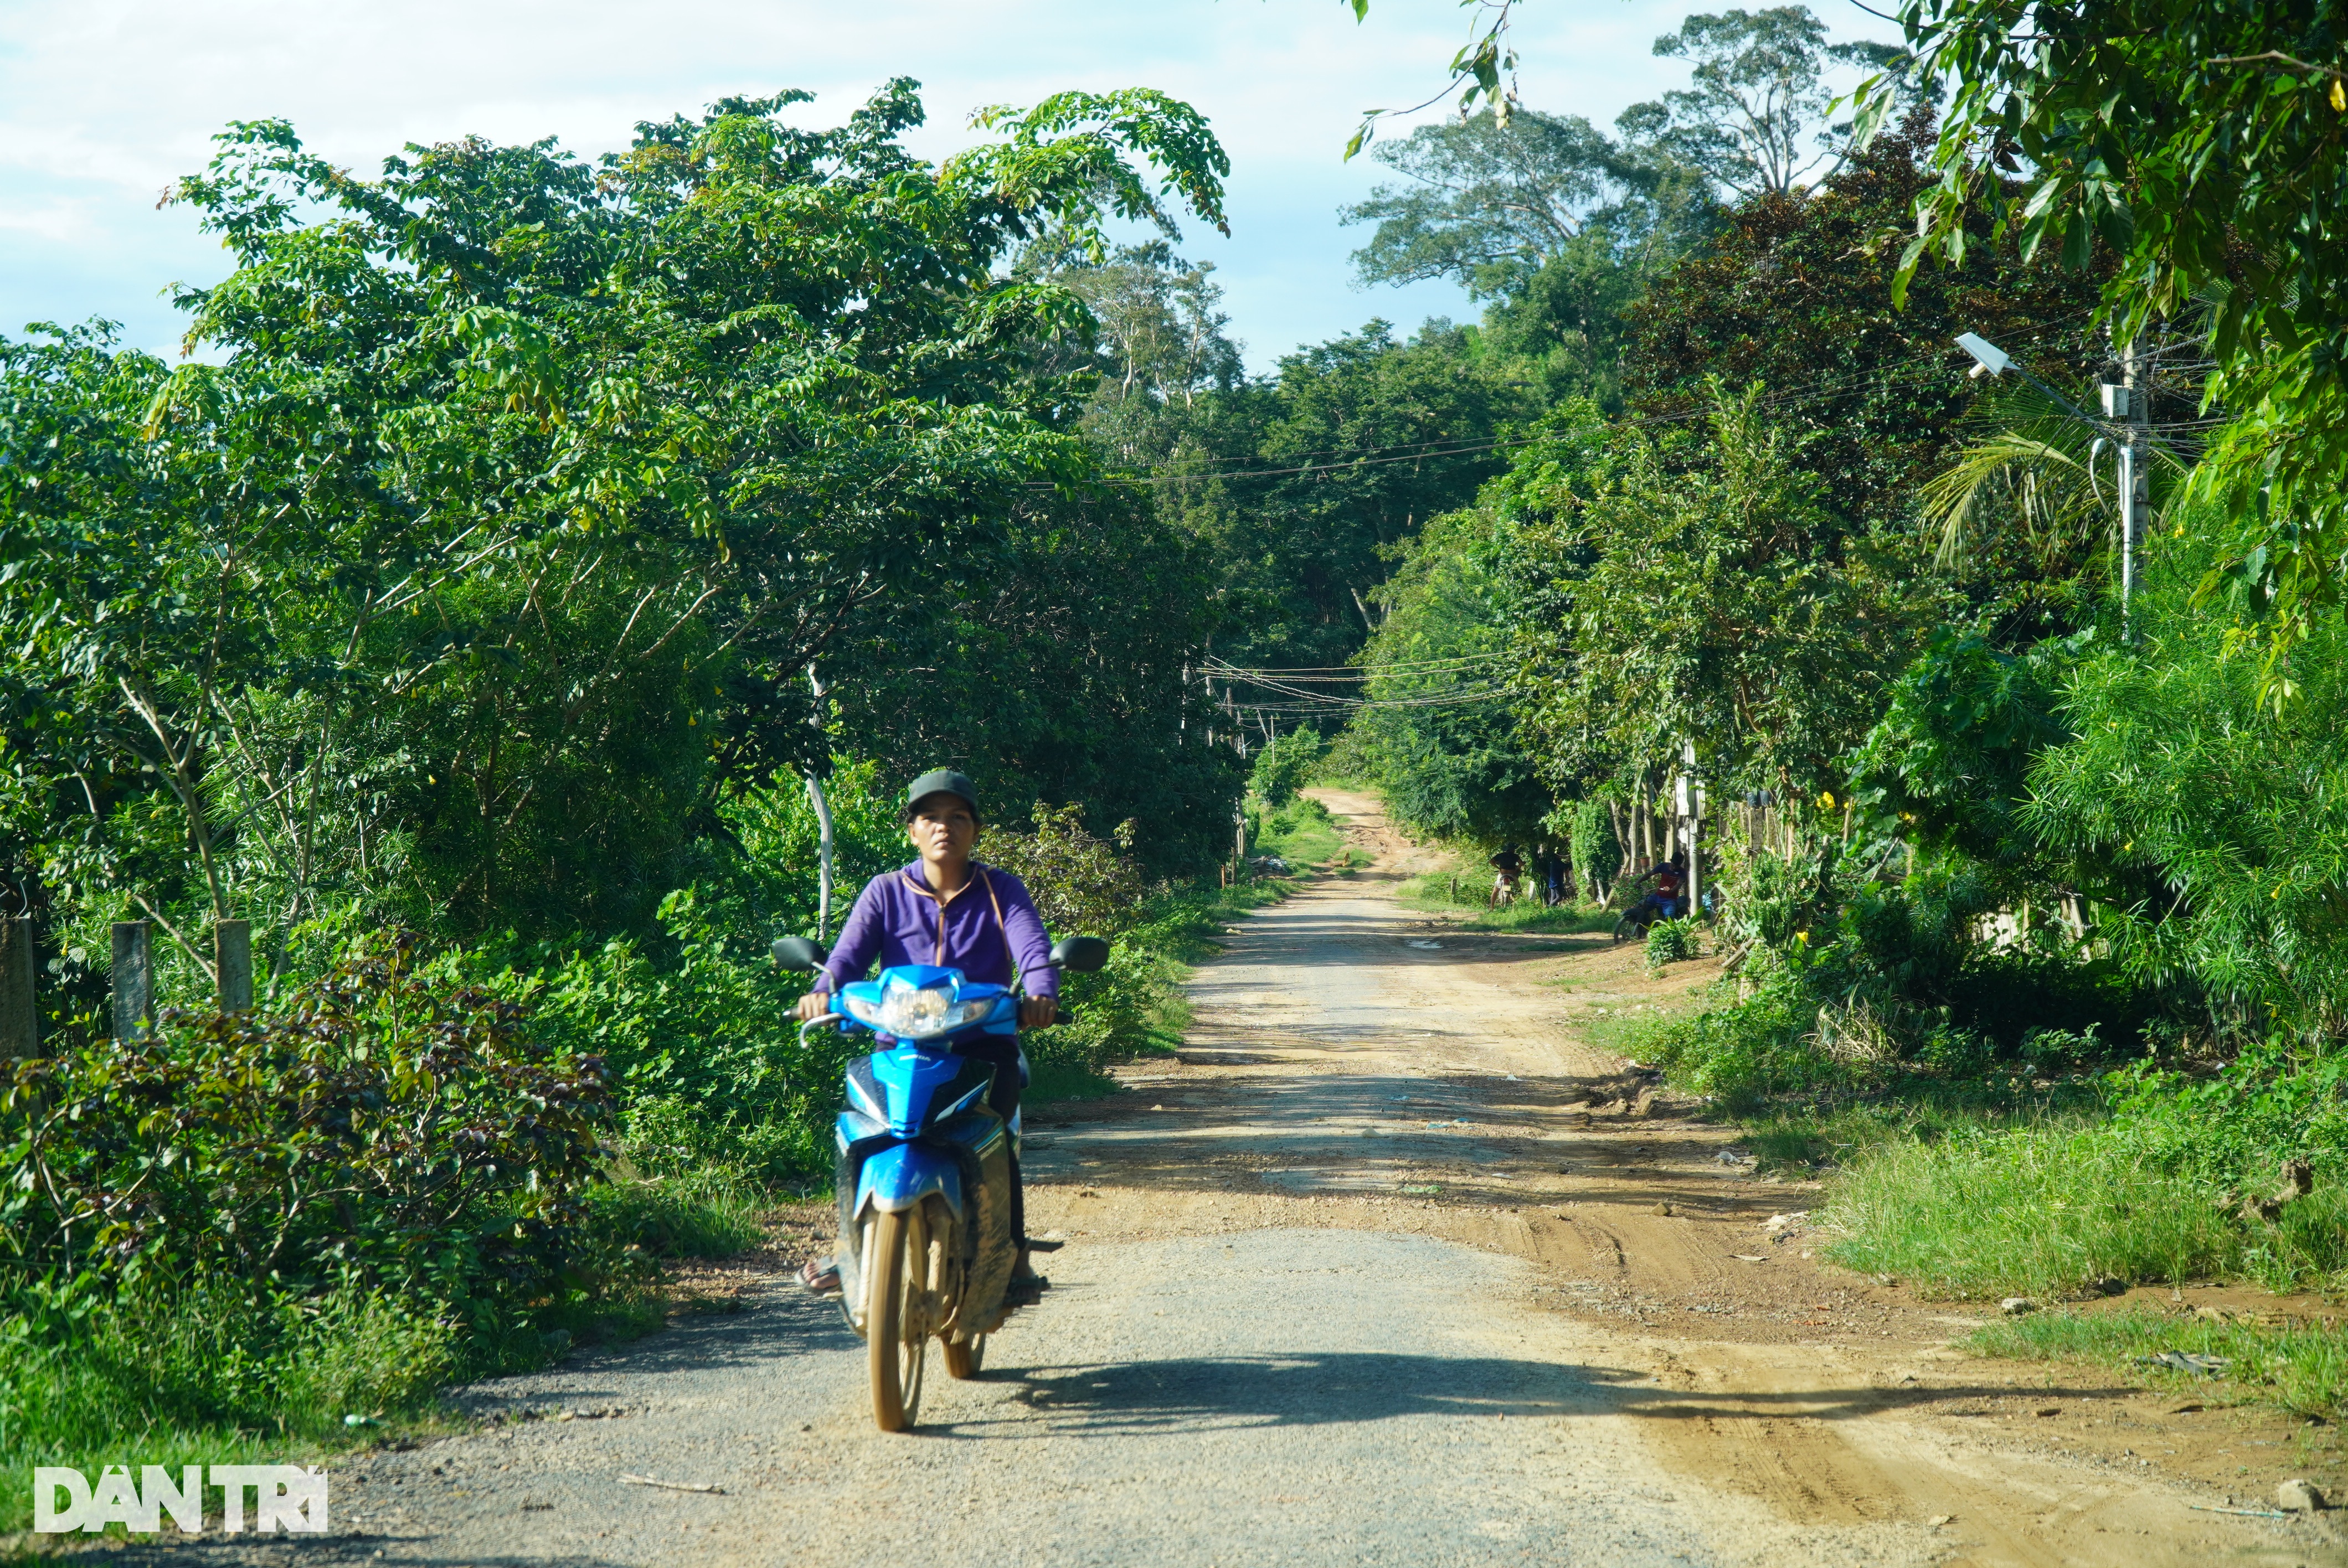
pixel 710 1211
pixel 1053 1081
pixel 2303 1367
pixel 2047 1210
pixel 1626 1032
pixel 1466 890
pixel 197 1377
pixel 1300 832
pixel 208 1377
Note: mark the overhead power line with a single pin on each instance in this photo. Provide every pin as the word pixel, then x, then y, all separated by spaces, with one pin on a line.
pixel 1297 685
pixel 1338 459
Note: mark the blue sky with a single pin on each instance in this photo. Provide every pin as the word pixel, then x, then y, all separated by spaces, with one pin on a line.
pixel 104 102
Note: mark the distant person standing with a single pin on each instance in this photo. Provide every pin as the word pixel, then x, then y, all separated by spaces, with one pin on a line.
pixel 1552 872
pixel 1510 865
pixel 1671 877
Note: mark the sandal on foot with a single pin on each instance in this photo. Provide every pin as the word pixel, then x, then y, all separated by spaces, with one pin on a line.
pixel 821 1275
pixel 1027 1292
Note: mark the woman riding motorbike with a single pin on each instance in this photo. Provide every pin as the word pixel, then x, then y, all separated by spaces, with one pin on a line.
pixel 949 910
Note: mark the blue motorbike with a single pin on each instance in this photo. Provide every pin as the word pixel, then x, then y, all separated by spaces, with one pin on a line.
pixel 924 1170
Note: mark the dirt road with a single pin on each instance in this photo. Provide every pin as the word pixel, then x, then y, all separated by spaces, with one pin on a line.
pixel 1377 1274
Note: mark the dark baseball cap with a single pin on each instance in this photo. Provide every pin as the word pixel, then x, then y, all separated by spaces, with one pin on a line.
pixel 941 781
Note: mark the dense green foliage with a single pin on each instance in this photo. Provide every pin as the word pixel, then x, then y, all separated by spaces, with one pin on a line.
pixel 2203 144
pixel 1982 845
pixel 473 615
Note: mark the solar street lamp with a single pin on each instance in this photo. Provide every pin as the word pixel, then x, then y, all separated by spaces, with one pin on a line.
pixel 2128 425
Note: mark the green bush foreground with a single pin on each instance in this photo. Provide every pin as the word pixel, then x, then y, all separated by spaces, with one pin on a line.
pixel 224 1242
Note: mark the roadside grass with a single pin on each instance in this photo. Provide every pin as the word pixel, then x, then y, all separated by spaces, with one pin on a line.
pixel 1625 1031
pixel 2049 1210
pixel 2301 1366
pixel 1466 888
pixel 1834 1134
pixel 1978 1186
pixel 192 1378
pixel 207 1377
pixel 1301 833
pixel 708 1211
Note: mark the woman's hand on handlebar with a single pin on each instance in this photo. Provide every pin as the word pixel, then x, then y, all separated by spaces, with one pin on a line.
pixel 813 1006
pixel 1038 1012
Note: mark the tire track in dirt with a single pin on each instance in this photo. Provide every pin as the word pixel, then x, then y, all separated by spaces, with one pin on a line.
pixel 1339 1076
pixel 1374 1273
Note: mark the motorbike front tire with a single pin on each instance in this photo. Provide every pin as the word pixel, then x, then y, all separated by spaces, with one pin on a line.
pixel 896 1339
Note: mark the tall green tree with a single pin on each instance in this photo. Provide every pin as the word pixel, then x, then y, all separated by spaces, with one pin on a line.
pixel 1298 483
pixel 1692 588
pixel 2202 146
pixel 1751 117
pixel 1442 736
pixel 1560 228
pixel 500 541
pixel 1793 293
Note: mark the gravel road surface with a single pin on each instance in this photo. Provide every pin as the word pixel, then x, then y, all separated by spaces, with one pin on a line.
pixel 1390 1268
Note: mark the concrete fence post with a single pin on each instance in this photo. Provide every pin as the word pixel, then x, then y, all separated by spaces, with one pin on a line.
pixel 232 963
pixel 134 980
pixel 20 1017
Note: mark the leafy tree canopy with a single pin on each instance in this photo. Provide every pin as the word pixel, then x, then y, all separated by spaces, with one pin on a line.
pixel 2202 146
pixel 498 547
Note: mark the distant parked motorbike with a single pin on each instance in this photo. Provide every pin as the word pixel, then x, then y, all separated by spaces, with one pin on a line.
pixel 924 1170
pixel 1648 911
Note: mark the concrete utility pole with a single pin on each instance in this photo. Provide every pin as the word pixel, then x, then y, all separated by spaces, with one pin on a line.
pixel 20 1017
pixel 232 964
pixel 822 825
pixel 134 981
pixel 2129 404
pixel 1691 808
pixel 2135 462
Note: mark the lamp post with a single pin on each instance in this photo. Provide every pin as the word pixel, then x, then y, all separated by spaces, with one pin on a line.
pixel 2128 418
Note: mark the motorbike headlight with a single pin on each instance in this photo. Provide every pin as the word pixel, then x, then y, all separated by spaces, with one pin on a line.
pixel 912 1013
pixel 862 1012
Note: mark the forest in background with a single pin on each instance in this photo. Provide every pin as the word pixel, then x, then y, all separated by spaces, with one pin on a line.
pixel 471 618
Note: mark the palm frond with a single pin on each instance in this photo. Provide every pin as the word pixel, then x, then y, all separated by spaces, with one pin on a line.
pixel 2038 467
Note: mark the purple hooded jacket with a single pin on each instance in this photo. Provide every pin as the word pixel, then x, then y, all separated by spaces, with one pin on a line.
pixel 988 928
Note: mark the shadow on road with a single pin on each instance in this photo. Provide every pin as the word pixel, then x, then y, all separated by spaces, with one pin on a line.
pixel 1331 1388
pixel 1286 1390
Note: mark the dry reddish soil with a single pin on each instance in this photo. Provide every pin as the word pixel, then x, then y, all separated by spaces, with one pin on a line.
pixel 1336 1076
pixel 1392 1266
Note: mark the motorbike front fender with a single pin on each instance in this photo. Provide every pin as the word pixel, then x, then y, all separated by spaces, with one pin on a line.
pixel 900 1177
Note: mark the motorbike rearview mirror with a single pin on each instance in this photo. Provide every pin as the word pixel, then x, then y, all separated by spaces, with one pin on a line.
pixel 798 953
pixel 1079 953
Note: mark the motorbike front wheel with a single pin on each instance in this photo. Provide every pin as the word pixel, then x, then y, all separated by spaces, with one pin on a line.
pixel 896 1313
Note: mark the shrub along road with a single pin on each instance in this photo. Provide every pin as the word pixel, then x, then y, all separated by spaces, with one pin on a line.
pixel 1375 1272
